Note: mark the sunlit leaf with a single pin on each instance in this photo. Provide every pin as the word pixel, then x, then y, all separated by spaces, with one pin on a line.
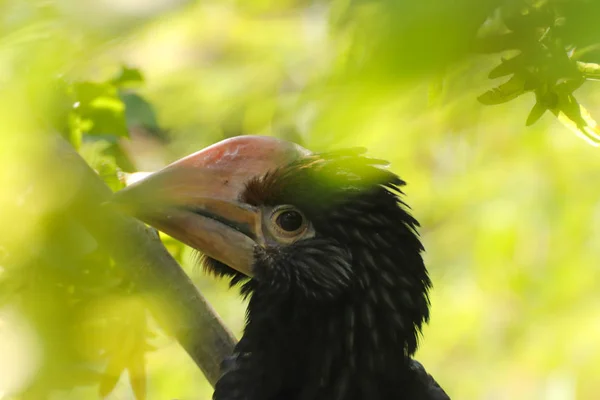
pixel 578 119
pixel 111 377
pixel 100 106
pixel 589 70
pixel 137 374
pixel 126 344
pixel 84 376
pixel 100 155
pixel 77 126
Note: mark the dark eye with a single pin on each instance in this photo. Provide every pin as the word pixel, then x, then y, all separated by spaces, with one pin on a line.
pixel 290 220
pixel 287 224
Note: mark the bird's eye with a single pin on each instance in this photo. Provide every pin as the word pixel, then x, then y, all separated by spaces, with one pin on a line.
pixel 288 224
pixel 290 221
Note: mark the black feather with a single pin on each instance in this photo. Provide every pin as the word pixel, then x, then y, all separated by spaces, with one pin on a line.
pixel 337 315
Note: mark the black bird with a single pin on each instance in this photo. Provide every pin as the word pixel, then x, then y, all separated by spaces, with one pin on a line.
pixel 327 253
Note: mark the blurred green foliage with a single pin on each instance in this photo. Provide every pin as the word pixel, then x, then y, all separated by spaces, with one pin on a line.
pixel 550 42
pixel 510 213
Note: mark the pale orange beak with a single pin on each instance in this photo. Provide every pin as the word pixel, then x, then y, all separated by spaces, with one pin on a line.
pixel 197 199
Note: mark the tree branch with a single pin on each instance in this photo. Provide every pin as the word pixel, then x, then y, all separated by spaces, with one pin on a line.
pixel 173 299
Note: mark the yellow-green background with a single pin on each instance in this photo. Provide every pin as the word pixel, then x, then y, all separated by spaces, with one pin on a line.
pixel 510 215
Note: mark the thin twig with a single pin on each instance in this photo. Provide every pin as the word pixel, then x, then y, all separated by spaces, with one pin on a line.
pixel 173 299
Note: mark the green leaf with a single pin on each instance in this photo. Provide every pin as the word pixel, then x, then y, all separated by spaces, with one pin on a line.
pixel 536 113
pixel 508 67
pixel 577 118
pixel 139 112
pixel 99 154
pixel 127 346
pixel 589 70
pixel 505 92
pixel 109 173
pixel 110 377
pixel 137 374
pixel 76 128
pixel 121 158
pixel 99 105
pixel 128 77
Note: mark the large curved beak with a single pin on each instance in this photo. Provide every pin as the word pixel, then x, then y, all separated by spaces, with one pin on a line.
pixel 197 199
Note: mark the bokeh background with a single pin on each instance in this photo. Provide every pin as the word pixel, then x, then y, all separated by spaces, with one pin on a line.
pixel 510 213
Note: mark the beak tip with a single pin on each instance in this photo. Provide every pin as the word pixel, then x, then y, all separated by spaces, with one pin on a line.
pixel 127 200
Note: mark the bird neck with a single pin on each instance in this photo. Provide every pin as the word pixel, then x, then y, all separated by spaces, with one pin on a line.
pixel 358 346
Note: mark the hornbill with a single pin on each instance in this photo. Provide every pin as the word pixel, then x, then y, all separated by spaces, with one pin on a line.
pixel 326 251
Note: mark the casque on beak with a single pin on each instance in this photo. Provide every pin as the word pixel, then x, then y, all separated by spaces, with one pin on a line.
pixel 197 199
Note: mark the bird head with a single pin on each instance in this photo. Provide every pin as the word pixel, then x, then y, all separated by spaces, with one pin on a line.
pixel 321 228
